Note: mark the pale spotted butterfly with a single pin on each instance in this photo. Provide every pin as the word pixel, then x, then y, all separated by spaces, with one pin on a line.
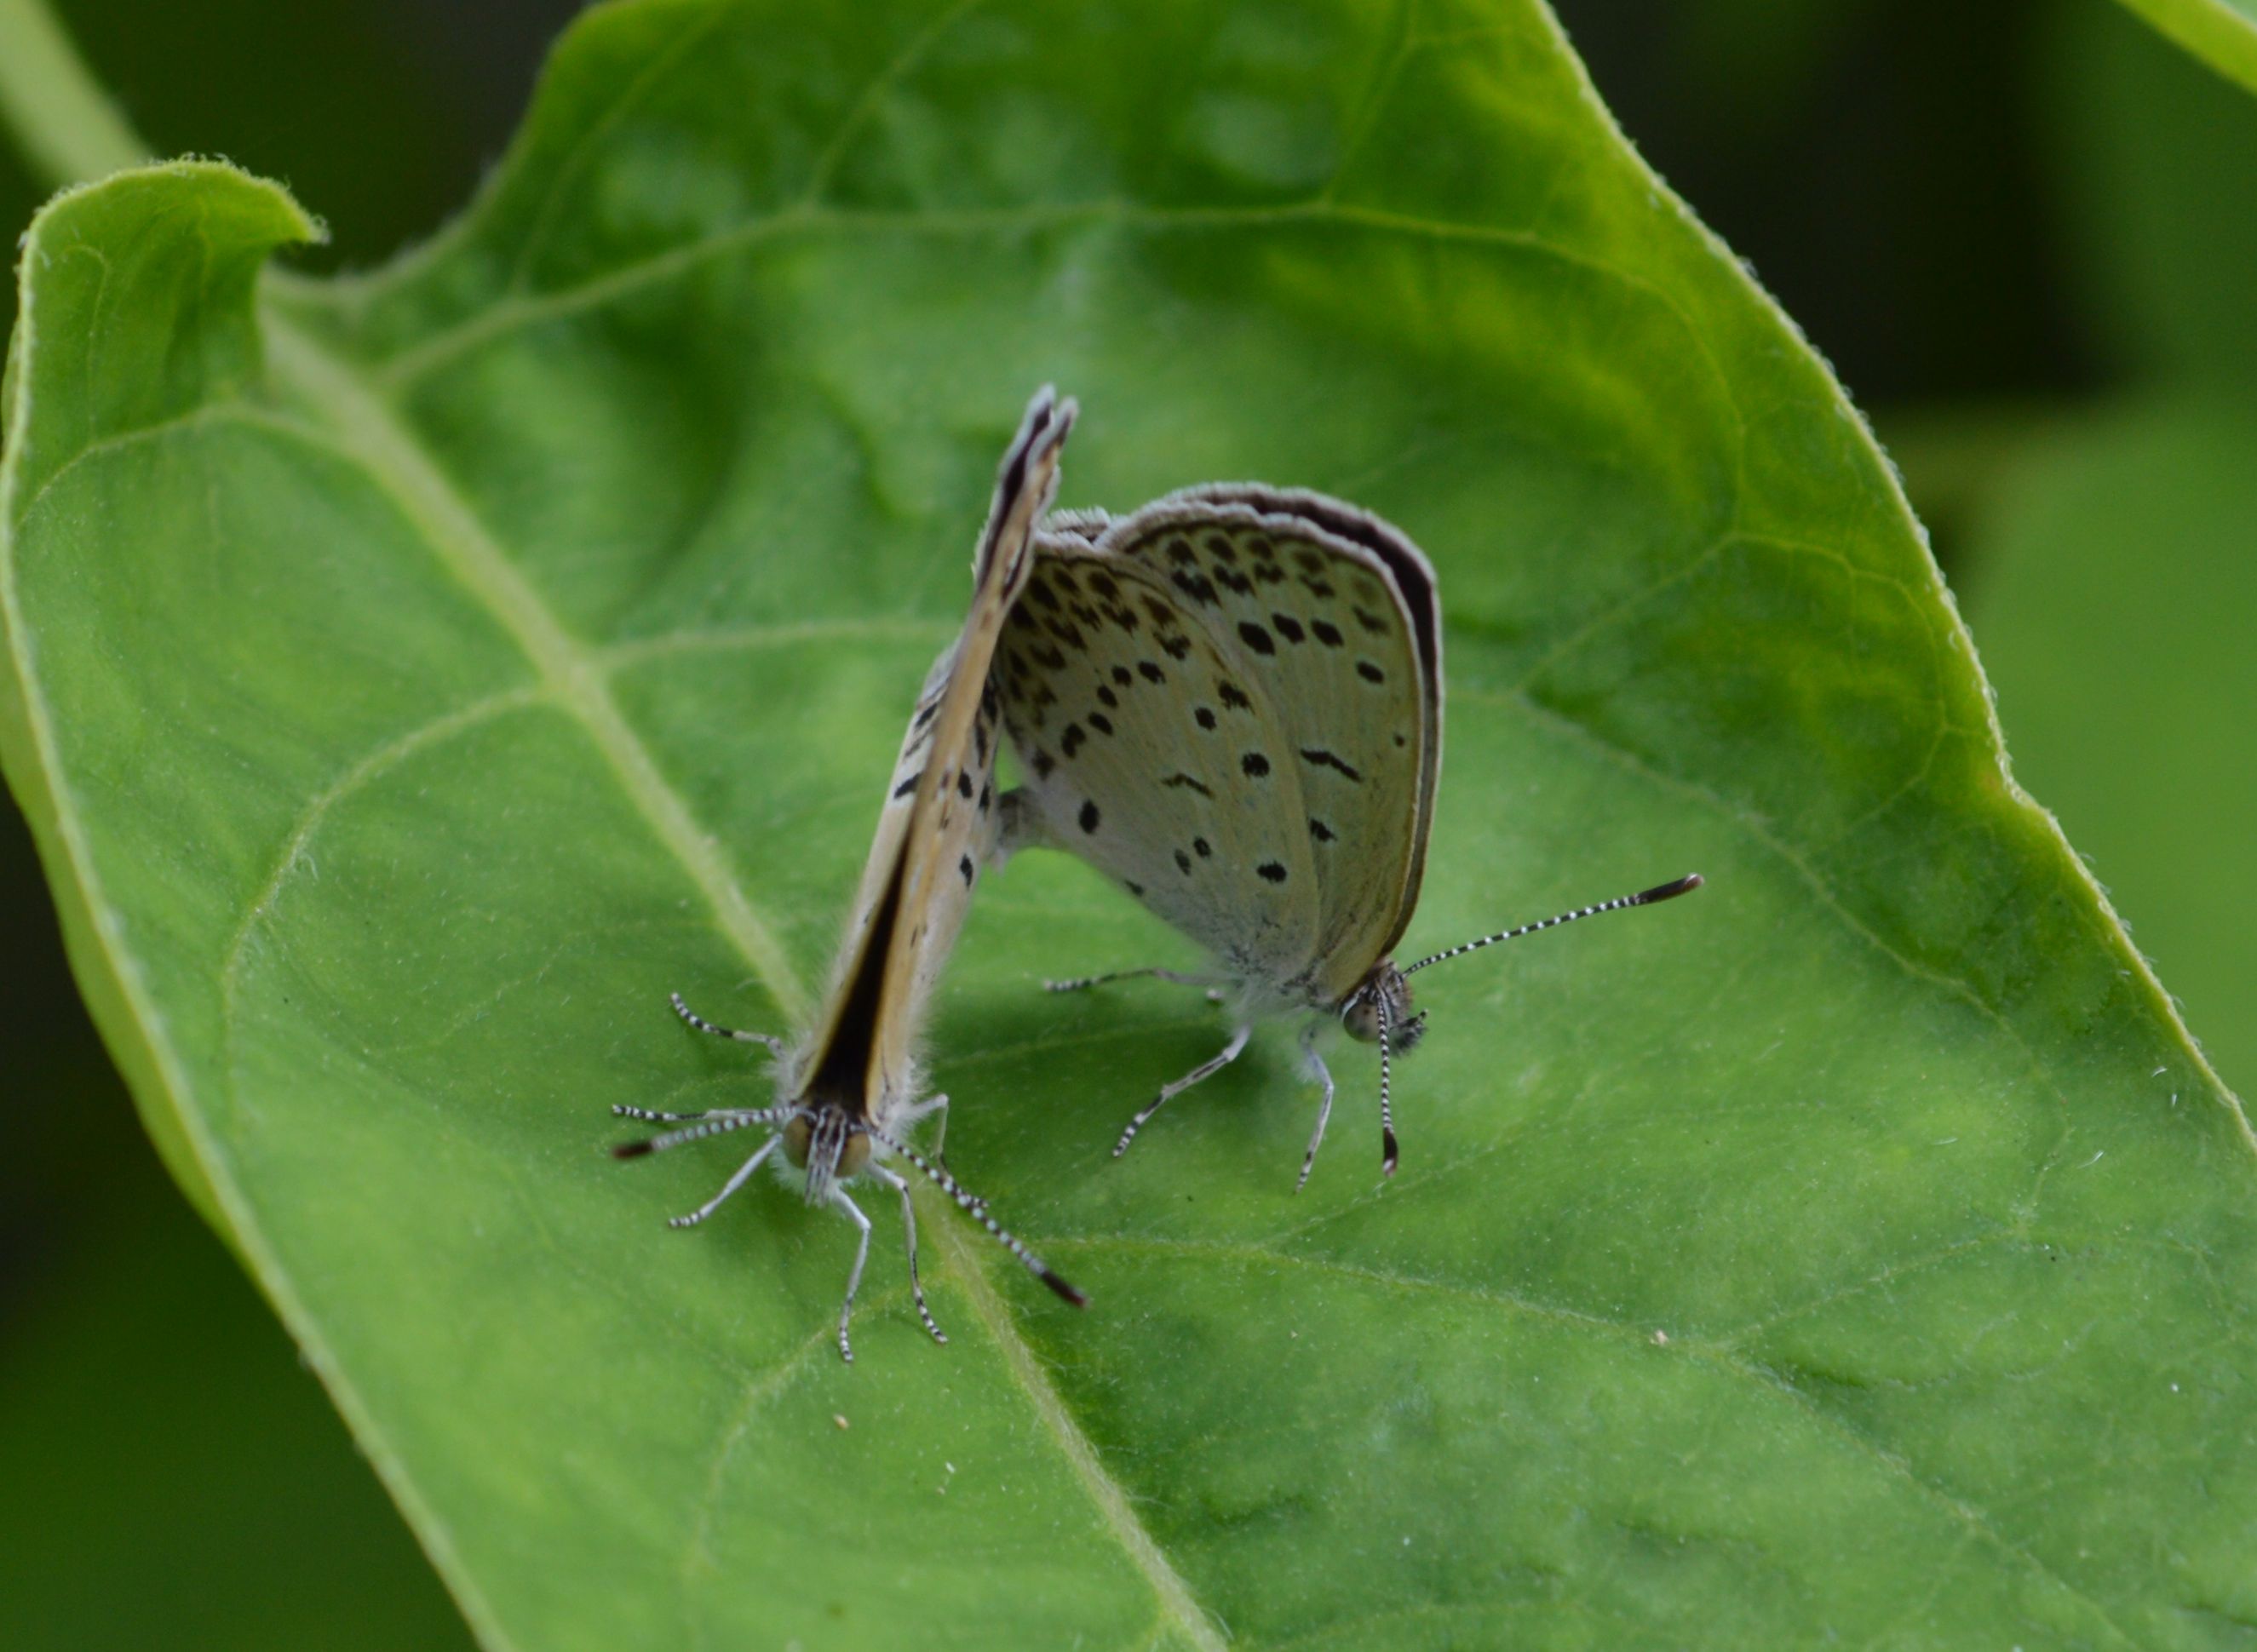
pixel 1230 702
pixel 848 1090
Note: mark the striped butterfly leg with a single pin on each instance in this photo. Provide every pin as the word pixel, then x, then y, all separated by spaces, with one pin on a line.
pixel 852 1212
pixel 923 1110
pixel 1082 984
pixel 1206 1069
pixel 908 1231
pixel 700 1126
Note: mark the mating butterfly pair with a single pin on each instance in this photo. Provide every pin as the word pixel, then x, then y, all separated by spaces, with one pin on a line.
pixel 1230 702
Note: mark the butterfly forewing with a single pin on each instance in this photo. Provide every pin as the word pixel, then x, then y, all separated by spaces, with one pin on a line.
pixel 1149 753
pixel 1229 700
pixel 938 824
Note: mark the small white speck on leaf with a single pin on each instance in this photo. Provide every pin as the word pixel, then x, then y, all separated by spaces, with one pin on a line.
pixel 840 1419
pixel 1661 1339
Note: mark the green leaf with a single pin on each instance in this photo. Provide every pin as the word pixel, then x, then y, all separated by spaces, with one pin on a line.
pixel 2222 33
pixel 414 678
pixel 2116 597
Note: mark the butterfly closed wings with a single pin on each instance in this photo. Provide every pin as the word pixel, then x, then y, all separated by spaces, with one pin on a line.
pixel 849 1089
pixel 1230 702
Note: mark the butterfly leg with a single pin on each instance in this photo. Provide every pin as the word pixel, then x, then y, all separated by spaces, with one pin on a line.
pixel 1168 1092
pixel 909 1227
pixel 924 1110
pixel 773 1045
pixel 854 1280
pixel 744 1175
pixel 1082 984
pixel 1323 1076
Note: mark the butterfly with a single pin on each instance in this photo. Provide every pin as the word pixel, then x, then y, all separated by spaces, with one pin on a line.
pixel 848 1090
pixel 1230 702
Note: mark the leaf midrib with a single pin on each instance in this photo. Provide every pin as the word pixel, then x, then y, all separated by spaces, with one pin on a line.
pixel 567 669
pixel 573 676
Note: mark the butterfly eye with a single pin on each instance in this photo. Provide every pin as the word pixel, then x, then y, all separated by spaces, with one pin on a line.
pixel 796 1136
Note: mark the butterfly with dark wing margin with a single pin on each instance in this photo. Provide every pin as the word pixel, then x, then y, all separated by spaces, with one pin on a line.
pixel 1230 704
pixel 848 1090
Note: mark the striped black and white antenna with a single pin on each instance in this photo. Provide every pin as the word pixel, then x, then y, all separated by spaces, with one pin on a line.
pixel 1643 898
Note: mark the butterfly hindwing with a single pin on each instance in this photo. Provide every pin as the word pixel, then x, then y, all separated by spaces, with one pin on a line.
pixel 1148 754
pixel 1229 702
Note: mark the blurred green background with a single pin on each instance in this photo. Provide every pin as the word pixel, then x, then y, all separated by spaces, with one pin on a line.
pixel 2024 233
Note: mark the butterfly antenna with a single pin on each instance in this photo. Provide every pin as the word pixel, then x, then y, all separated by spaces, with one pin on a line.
pixel 977 1209
pixel 702 1125
pixel 1388 1152
pixel 1684 886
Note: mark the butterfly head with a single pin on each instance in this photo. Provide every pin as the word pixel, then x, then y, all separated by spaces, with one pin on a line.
pixel 1362 1013
pixel 826 1143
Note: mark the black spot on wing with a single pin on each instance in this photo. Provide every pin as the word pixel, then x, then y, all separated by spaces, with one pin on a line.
pixel 1254 766
pixel 1271 870
pixel 1204 716
pixel 964 865
pixel 1089 816
pixel 1288 627
pixel 1181 780
pixel 1255 638
pixel 1318 831
pixel 1368 671
pixel 1150 671
pixel 1325 759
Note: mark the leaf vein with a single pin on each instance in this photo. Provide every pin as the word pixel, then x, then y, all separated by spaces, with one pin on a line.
pixel 373 437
